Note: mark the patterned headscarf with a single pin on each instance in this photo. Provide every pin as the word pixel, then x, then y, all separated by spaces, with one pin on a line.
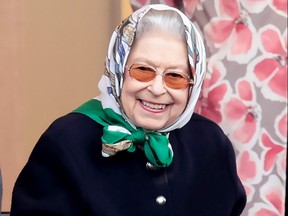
pixel 110 85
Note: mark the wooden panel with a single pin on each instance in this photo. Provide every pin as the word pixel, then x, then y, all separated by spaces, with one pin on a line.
pixel 51 57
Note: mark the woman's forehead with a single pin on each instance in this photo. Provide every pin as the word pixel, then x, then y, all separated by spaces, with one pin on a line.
pixel 158 47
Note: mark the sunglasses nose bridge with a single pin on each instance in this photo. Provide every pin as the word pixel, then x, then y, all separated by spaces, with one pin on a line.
pixel 162 74
pixel 158 85
pixel 159 72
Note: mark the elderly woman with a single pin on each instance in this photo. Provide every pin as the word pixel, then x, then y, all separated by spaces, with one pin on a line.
pixel 136 149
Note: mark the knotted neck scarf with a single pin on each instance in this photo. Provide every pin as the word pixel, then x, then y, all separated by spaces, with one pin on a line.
pixel 119 133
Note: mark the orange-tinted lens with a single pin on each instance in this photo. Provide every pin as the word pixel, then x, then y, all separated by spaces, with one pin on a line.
pixel 142 73
pixel 176 80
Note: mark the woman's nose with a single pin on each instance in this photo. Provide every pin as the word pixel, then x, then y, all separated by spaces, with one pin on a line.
pixel 157 86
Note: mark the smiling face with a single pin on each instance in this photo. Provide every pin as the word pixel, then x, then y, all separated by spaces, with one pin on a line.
pixel 152 105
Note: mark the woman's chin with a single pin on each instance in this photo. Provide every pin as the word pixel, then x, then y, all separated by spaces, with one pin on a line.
pixel 150 125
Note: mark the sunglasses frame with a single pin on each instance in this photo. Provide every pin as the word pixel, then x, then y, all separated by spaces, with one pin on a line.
pixel 190 80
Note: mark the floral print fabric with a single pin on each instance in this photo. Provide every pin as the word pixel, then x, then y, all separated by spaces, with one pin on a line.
pixel 245 90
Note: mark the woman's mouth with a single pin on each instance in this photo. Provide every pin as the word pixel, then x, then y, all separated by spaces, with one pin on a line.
pixel 153 106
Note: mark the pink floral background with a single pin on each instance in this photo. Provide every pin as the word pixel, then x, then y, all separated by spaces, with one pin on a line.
pixel 245 90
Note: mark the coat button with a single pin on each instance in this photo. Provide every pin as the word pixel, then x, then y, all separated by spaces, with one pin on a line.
pixel 150 166
pixel 161 200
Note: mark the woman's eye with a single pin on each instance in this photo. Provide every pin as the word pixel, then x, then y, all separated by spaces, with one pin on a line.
pixel 145 69
pixel 141 68
pixel 175 75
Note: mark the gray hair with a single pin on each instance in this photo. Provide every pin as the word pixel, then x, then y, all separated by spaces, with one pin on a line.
pixel 166 20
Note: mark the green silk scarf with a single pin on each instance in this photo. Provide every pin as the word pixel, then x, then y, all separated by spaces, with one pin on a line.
pixel 118 135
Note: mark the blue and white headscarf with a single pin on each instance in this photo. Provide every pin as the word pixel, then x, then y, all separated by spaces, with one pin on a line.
pixel 118 52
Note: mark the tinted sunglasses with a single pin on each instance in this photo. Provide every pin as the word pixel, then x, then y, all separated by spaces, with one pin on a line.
pixel 172 79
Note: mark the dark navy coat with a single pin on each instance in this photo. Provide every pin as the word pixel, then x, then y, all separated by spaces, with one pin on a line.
pixel 67 176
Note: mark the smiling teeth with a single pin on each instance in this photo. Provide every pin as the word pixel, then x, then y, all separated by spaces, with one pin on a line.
pixel 154 106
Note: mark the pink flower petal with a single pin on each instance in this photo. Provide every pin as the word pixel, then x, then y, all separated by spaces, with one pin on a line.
pixel 230 8
pixel 210 106
pixel 265 212
pixel 212 114
pixel 280 5
pixel 271 35
pixel 272 192
pixel 273 150
pixel 243 40
pixel 235 109
pixel 282 125
pixel 285 39
pixel 244 90
pixel 217 94
pixel 205 87
pixel 247 166
pixel 264 68
pixel 283 163
pixel 275 198
pixel 216 75
pixel 246 129
pixel 278 83
pixel 190 6
pixel 219 30
pixel 168 2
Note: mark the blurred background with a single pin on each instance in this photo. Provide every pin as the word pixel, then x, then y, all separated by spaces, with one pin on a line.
pixel 51 57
